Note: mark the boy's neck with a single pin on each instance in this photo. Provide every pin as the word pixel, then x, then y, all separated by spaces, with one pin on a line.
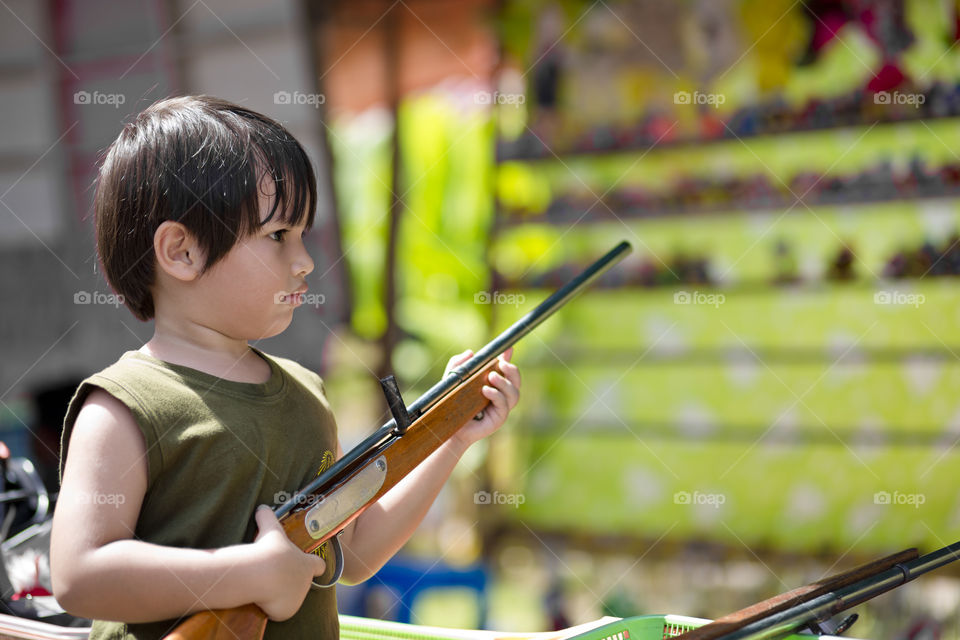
pixel 216 355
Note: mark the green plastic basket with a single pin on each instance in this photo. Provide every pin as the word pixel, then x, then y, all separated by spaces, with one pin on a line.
pixel 659 627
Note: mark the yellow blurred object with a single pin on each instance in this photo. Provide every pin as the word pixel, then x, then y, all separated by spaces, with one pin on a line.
pixel 776 35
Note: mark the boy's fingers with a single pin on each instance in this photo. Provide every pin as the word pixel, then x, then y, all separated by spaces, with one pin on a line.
pixel 506 388
pixel 266 520
pixel 500 400
pixel 460 358
pixel 511 372
pixel 319 565
pixel 497 399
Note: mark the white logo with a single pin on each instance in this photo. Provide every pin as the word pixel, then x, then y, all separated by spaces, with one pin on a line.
pixel 685 97
pixel 96 297
pixel 298 97
pixel 884 97
pixel 498 297
pixel 712 499
pixel 698 297
pixel 512 499
pixel 113 499
pixel 300 499
pixel 910 499
pixel 899 298
pixel 485 97
pixel 85 97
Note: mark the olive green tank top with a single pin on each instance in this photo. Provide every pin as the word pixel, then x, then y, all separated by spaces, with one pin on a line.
pixel 216 449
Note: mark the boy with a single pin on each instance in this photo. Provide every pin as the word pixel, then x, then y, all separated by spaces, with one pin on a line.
pixel 200 211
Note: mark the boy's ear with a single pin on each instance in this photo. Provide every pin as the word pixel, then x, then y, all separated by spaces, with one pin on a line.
pixel 177 251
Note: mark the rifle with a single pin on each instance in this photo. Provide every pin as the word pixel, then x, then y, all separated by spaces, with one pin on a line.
pixel 812 606
pixel 319 511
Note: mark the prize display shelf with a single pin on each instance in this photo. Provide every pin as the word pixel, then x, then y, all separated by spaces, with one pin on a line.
pixel 771 369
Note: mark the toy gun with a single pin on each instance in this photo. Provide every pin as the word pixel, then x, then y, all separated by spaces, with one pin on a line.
pixel 319 511
pixel 810 608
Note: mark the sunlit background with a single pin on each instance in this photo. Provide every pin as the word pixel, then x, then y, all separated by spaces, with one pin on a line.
pixel 763 393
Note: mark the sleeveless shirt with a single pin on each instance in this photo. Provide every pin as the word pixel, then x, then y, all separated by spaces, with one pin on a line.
pixel 216 449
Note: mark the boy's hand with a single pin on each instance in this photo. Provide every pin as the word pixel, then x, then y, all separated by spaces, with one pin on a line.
pixel 287 570
pixel 503 392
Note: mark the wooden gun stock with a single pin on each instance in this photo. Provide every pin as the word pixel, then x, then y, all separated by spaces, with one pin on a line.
pixel 760 610
pixel 248 621
pixel 423 437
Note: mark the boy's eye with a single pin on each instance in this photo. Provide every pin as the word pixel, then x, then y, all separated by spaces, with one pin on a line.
pixel 277 235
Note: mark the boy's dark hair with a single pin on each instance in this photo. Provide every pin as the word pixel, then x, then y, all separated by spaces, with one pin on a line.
pixel 196 160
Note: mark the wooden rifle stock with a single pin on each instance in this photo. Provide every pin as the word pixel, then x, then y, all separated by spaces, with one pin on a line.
pixel 324 507
pixel 422 439
pixel 778 603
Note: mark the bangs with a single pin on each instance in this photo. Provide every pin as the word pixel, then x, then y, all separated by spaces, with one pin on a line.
pixel 293 194
pixel 225 154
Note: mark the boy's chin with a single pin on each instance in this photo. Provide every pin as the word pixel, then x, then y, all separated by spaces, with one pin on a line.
pixel 277 327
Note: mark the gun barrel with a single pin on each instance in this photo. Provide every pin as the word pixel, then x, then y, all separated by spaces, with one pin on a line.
pixel 379 438
pixel 520 328
pixel 821 608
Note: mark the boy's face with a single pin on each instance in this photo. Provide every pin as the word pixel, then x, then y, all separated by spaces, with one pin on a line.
pixel 252 291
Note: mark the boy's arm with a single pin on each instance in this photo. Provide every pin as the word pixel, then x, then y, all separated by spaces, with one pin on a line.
pixel 100 571
pixel 379 532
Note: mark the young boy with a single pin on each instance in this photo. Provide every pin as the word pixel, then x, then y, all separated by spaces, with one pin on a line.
pixel 201 209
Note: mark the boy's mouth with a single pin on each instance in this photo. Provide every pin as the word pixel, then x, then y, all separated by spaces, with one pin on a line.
pixel 295 297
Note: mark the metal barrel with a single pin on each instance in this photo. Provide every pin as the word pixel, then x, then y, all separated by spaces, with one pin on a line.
pixel 484 356
pixel 520 328
pixel 822 607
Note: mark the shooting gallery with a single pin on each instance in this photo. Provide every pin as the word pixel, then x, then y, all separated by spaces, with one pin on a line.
pixel 748 381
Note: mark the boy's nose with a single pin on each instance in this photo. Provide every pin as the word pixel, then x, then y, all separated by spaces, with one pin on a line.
pixel 303 264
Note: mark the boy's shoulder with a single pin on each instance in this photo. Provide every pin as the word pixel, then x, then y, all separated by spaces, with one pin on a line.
pixel 297 371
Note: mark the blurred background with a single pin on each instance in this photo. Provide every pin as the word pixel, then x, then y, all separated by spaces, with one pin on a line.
pixel 763 393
